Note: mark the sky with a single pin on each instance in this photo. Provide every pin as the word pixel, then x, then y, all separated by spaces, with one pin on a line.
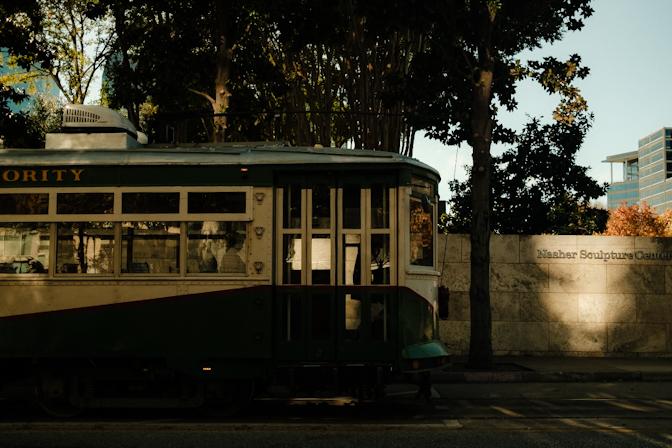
pixel 626 45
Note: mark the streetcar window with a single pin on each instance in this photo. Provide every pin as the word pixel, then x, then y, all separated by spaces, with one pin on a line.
pixel 352 215
pixel 150 202
pixel 352 263
pixel 24 204
pixel 215 246
pixel 85 248
pixel 380 207
pixel 353 317
pixel 378 316
pixel 291 200
pixel 380 259
pixel 421 231
pixel 216 202
pixel 84 203
pixel 321 259
pixel 150 247
pixel 24 248
pixel 321 202
pixel 291 259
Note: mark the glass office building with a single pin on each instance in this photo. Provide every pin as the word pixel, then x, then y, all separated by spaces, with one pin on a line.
pixel 42 85
pixel 647 173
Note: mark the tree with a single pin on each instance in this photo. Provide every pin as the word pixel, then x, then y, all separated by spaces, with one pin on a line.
pixel 175 56
pixel 537 187
pixel 45 115
pixel 469 71
pixel 226 29
pixel 19 28
pixel 14 127
pixel 345 64
pixel 152 59
pixel 77 44
pixel 80 45
pixel 308 72
pixel 28 129
pixel 638 220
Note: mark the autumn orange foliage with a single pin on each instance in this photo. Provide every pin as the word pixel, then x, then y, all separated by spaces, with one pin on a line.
pixel 638 220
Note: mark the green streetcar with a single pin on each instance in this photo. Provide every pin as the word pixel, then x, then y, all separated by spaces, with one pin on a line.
pixel 196 275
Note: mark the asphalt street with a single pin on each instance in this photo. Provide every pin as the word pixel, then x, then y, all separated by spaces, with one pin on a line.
pixel 460 415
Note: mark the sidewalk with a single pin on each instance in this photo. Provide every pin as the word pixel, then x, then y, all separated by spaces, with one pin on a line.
pixel 550 370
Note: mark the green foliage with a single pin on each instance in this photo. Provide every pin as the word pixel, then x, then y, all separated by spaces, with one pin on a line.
pixel 537 187
pixel 63 43
pixel 309 72
pixel 14 128
pixel 166 51
pixel 79 43
pixel 28 129
pixel 469 72
pixel 45 115
pixel 445 77
pixel 19 27
pixel 354 58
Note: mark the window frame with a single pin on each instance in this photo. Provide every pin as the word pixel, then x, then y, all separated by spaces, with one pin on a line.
pixel 54 229
pixel 49 258
pixel 52 219
pixel 366 232
pixel 25 217
pixel 118 216
pixel 390 231
pixel 119 227
pixel 184 255
pixel 282 231
pixel 307 232
pixel 415 268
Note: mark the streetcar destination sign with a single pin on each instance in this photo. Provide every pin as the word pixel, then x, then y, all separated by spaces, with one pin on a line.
pixel 21 175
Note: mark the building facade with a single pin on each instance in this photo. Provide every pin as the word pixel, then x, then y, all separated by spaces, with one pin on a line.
pixel 627 190
pixel 647 173
pixel 40 85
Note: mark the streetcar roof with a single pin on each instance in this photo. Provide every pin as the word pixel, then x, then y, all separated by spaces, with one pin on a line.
pixel 207 154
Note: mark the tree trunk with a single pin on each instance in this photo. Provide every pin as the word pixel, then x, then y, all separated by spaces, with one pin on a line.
pixel 120 28
pixel 81 253
pixel 480 345
pixel 225 40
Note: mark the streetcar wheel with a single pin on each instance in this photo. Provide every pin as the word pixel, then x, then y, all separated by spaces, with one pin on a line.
pixel 53 395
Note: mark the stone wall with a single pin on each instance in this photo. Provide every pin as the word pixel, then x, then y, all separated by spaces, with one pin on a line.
pixel 566 295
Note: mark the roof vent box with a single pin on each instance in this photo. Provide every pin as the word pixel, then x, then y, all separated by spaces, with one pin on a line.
pixel 94 127
pixel 107 140
pixel 95 119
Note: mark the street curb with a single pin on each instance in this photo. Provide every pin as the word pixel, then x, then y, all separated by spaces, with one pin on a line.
pixel 549 377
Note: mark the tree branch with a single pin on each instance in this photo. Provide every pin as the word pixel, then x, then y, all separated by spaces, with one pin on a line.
pixel 204 95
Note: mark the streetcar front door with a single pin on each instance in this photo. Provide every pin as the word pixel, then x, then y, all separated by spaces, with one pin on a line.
pixel 305 325
pixel 305 254
pixel 335 261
